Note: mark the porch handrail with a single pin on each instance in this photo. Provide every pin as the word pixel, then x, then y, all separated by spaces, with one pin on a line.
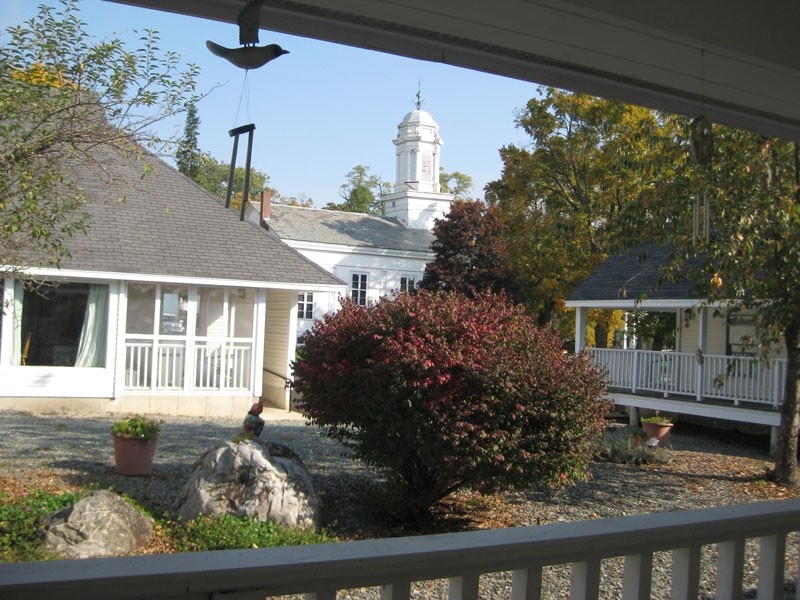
pixel 319 571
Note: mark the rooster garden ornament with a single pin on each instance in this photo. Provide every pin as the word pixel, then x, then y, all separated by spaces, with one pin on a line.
pixel 249 55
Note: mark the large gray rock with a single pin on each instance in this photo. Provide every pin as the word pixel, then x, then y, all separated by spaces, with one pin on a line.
pixel 101 524
pixel 260 480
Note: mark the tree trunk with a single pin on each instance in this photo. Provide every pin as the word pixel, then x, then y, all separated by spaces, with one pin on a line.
pixel 786 460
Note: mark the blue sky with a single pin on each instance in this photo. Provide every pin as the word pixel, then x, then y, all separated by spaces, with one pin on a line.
pixel 323 108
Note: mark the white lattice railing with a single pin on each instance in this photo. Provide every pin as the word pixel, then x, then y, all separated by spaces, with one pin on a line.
pixel 395 565
pixel 735 378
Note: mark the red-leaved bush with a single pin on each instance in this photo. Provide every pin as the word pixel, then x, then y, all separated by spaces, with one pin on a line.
pixel 444 391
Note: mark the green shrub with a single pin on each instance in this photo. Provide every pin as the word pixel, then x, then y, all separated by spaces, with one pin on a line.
pixel 628 445
pixel 22 523
pixel 229 532
pixel 445 392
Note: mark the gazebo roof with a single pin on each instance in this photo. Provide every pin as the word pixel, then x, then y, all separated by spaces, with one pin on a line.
pixel 634 278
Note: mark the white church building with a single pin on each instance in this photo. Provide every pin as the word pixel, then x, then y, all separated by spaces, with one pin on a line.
pixel 374 255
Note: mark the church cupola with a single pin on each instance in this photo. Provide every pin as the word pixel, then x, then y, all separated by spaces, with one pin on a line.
pixel 418 147
pixel 417 200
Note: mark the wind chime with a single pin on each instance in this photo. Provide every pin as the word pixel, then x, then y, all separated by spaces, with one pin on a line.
pixel 701 144
pixel 248 56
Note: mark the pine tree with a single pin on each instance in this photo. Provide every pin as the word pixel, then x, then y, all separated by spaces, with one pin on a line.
pixel 188 156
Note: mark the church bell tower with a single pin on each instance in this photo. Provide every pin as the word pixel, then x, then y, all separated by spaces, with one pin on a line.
pixel 417 199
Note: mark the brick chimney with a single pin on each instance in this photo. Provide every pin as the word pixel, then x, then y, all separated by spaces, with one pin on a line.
pixel 266 200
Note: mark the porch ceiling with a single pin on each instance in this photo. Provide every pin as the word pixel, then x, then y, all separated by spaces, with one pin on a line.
pixel 735 62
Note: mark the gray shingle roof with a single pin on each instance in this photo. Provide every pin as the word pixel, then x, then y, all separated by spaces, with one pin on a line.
pixel 632 275
pixel 168 225
pixel 346 228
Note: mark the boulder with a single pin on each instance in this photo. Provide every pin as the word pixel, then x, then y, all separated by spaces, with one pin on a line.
pixel 260 480
pixel 101 524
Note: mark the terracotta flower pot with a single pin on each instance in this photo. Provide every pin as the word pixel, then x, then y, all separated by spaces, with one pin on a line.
pixel 660 431
pixel 133 456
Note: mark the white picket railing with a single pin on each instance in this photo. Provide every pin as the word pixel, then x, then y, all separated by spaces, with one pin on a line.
pixel 394 565
pixel 223 366
pixel 138 365
pixel 743 378
pixel 735 378
pixel 216 366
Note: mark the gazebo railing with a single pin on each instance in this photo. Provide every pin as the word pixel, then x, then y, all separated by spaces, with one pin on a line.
pixel 734 378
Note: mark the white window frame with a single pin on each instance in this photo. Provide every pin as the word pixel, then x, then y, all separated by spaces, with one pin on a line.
pixel 305 306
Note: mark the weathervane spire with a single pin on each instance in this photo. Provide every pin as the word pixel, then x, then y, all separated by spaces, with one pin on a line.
pixel 419 95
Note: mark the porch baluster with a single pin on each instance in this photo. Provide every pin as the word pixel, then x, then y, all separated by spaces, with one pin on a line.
pixel 585 580
pixel 322 595
pixel 396 591
pixel 770 567
pixel 464 587
pixel 637 576
pixel 685 573
pixel 730 566
pixel 635 382
pixel 526 584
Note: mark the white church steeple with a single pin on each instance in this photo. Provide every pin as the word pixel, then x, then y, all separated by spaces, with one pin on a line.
pixel 417 199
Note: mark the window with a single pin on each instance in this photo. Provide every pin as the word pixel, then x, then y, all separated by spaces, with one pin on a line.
pixel 210 322
pixel 63 326
pixel 241 305
pixel 305 305
pixel 407 283
pixel 192 338
pixel 174 303
pixel 358 288
pixel 141 308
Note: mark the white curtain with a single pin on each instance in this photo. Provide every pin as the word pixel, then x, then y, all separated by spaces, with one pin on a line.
pixel 16 321
pixel 92 346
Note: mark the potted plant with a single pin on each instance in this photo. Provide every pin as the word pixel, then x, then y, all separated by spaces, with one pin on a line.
pixel 657 426
pixel 135 440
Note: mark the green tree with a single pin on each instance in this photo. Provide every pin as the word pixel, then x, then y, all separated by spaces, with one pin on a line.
pixel 301 200
pixel 213 176
pixel 62 94
pixel 471 253
pixel 445 391
pixel 602 175
pixel 455 183
pixel 750 261
pixel 188 157
pixel 361 193
pixel 563 199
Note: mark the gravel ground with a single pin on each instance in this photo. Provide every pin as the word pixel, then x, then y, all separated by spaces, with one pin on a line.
pixel 708 469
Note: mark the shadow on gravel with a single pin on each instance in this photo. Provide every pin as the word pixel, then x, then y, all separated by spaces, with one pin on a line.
pixel 697 438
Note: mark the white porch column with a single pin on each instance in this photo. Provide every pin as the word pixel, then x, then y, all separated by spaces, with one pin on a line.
pixel 702 342
pixel 580 328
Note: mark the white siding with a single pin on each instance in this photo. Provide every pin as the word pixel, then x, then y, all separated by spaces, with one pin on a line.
pixel 715 340
pixel 279 345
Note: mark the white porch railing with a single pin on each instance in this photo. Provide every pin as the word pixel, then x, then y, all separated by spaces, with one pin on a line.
pixel 735 378
pixel 167 371
pixel 225 367
pixel 216 367
pixel 394 565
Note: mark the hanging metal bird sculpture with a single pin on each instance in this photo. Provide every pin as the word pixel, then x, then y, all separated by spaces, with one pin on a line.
pixel 249 55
